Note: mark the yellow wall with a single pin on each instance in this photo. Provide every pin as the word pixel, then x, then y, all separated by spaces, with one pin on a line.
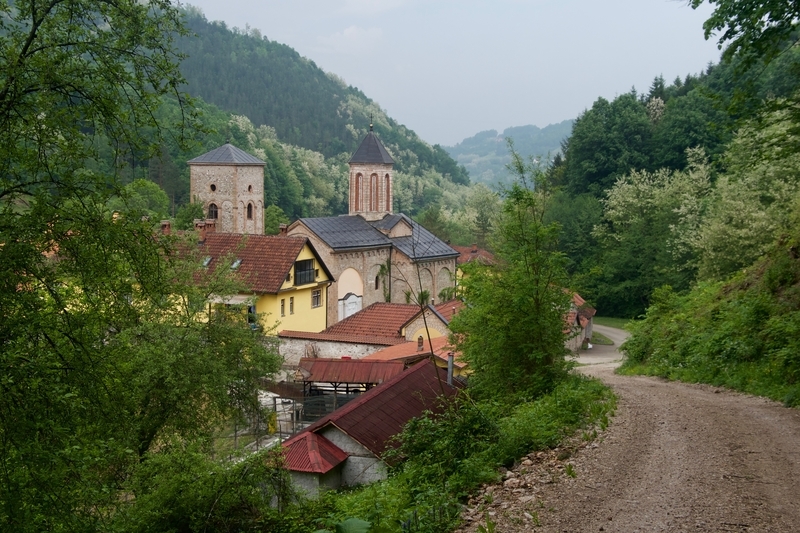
pixel 303 317
pixel 435 333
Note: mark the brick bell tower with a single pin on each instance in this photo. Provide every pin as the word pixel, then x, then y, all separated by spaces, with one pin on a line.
pixel 371 179
pixel 229 183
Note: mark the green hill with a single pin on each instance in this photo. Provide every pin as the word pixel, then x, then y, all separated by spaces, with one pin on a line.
pixel 485 154
pixel 271 84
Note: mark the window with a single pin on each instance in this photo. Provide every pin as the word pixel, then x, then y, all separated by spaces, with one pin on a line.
pixel 377 282
pixel 304 272
pixel 387 191
pixel 291 305
pixel 283 307
pixel 206 261
pixel 212 211
pixel 316 298
pixel 213 187
pixel 373 192
pixel 236 264
pixel 251 316
pixel 249 211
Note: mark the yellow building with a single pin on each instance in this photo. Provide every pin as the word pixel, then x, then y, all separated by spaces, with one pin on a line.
pixel 286 283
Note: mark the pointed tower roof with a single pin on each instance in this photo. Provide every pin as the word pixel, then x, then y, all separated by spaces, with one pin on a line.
pixel 227 154
pixel 371 151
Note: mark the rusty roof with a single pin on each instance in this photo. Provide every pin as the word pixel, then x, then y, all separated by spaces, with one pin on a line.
pixel 380 413
pixel 381 323
pixel 265 259
pixel 325 370
pixel 309 452
pixel 473 253
pixel 409 351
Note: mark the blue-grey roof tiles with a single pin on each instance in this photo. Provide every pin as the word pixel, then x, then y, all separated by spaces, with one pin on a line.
pixel 346 232
pixel 227 154
pixel 353 232
pixel 371 150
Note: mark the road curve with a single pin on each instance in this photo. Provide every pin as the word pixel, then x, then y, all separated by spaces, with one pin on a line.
pixel 676 457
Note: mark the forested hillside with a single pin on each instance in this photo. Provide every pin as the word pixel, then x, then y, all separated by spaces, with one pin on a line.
pixel 247 74
pixel 688 180
pixel 485 154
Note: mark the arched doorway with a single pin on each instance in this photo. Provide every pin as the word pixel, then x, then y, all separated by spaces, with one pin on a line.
pixel 350 293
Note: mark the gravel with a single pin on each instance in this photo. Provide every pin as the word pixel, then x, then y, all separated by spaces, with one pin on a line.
pixel 676 457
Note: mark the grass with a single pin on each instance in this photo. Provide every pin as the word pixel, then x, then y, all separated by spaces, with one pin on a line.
pixel 601 340
pixel 613 322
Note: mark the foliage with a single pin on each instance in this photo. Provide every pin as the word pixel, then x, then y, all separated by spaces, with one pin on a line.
pixel 751 203
pixel 450 454
pixel 649 221
pixel 273 218
pixel 108 351
pixel 607 142
pixel 741 333
pixel 141 197
pixel 187 214
pixel 182 489
pixel 510 356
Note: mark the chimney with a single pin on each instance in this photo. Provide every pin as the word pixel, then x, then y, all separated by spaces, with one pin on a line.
pixel 450 358
pixel 420 344
pixel 211 225
pixel 474 248
pixel 283 229
pixel 166 227
pixel 200 228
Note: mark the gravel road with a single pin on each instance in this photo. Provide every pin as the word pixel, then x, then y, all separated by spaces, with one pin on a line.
pixel 676 457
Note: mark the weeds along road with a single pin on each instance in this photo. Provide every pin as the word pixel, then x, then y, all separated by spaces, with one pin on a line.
pixel 676 457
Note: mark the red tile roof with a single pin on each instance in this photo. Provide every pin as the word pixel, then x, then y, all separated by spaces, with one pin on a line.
pixel 381 412
pixel 473 253
pixel 349 370
pixel 266 259
pixel 449 308
pixel 409 352
pixel 309 452
pixel 380 323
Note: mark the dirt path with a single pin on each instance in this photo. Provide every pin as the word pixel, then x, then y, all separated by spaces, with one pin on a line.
pixel 676 457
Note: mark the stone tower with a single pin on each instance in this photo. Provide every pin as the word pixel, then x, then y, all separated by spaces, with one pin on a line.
pixel 371 179
pixel 229 183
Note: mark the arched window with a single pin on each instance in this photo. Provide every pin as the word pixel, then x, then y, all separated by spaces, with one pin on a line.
pixel 388 192
pixel 377 282
pixel 357 199
pixel 213 212
pixel 249 211
pixel 373 192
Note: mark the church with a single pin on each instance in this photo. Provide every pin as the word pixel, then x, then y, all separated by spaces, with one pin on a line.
pixel 373 254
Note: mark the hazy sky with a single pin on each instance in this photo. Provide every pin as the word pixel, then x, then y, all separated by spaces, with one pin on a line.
pixel 451 68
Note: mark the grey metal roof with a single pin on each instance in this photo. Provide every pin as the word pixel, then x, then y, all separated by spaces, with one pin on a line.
pixel 422 244
pixel 352 232
pixel 227 154
pixel 371 151
pixel 346 232
pixel 387 222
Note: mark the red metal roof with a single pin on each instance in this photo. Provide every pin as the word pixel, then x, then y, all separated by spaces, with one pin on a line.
pixel 265 259
pixel 381 412
pixel 380 323
pixel 473 253
pixel 349 370
pixel 309 452
pixel 408 352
